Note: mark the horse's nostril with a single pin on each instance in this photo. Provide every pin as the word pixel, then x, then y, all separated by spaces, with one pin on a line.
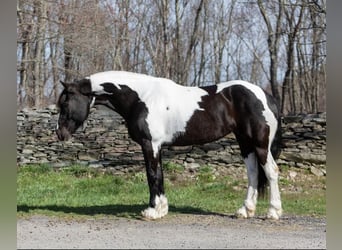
pixel 63 134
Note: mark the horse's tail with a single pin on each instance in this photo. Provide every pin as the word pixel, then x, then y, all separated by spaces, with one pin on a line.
pixel 262 181
pixel 276 147
pixel 277 143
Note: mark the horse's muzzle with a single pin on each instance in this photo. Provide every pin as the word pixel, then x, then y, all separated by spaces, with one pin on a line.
pixel 63 134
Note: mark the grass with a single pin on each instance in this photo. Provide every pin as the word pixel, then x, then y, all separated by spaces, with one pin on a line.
pixel 80 191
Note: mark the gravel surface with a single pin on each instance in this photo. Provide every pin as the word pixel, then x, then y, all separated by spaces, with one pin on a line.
pixel 173 231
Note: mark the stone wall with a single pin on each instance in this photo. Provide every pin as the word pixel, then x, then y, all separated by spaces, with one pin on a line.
pixel 105 143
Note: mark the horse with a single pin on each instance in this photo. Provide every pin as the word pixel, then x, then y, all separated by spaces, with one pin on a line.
pixel 159 112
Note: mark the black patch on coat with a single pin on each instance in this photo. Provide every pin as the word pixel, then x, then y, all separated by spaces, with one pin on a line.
pixel 131 108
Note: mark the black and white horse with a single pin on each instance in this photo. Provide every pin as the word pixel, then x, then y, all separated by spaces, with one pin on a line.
pixel 160 112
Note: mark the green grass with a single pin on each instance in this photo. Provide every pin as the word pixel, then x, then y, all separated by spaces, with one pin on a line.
pixel 81 191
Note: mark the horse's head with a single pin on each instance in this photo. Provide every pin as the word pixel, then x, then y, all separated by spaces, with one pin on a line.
pixel 74 104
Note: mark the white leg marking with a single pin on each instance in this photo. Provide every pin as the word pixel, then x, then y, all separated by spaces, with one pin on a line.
pixel 272 172
pixel 248 208
pixel 156 145
pixel 92 102
pixel 161 209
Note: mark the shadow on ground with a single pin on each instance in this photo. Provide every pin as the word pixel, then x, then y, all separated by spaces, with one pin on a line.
pixel 132 211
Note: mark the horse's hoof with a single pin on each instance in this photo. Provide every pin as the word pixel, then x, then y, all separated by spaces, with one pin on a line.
pixel 150 213
pixel 245 213
pixel 274 214
pixel 159 211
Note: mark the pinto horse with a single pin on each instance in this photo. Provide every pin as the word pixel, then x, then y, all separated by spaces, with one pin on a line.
pixel 158 112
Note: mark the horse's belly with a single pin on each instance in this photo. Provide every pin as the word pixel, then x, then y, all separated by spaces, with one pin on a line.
pixel 198 137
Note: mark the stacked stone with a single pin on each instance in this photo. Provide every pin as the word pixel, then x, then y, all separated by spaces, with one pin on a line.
pixel 304 139
pixel 105 143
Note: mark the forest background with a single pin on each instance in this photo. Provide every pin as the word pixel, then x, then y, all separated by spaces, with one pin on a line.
pixel 279 45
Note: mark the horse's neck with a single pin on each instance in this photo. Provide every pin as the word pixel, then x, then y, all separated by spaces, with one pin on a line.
pixel 121 101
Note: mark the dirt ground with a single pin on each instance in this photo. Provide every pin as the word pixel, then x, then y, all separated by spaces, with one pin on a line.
pixel 173 231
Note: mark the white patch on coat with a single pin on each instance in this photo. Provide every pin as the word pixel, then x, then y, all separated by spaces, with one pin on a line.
pixel 170 105
pixel 160 210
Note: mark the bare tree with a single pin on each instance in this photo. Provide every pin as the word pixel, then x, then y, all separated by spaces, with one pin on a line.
pixel 191 42
pixel 274 33
pixel 305 75
pixel 293 23
pixel 32 21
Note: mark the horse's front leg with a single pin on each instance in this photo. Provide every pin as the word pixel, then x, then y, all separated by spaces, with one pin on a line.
pixel 158 205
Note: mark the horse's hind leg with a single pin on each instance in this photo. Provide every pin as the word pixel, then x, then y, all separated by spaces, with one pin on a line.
pixel 272 172
pixel 158 205
pixel 249 206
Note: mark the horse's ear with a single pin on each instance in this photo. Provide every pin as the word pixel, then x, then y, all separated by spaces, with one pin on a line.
pixel 65 85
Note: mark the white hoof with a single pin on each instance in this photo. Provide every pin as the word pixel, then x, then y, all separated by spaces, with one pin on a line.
pixel 274 214
pixel 244 213
pixel 151 213
pixel 160 210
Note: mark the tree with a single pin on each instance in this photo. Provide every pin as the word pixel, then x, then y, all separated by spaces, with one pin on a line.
pixel 190 42
pixel 293 24
pixel 274 35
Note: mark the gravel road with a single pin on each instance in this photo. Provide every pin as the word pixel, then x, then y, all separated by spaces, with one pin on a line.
pixel 173 231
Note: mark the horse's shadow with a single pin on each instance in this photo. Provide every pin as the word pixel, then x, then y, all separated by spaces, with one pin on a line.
pixel 121 210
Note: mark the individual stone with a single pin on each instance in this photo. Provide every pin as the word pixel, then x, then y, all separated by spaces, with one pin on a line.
pixel 192 167
pixel 27 151
pixel 292 175
pixel 316 171
pixel 190 160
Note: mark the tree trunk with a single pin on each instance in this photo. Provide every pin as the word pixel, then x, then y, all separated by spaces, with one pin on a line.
pixel 273 44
